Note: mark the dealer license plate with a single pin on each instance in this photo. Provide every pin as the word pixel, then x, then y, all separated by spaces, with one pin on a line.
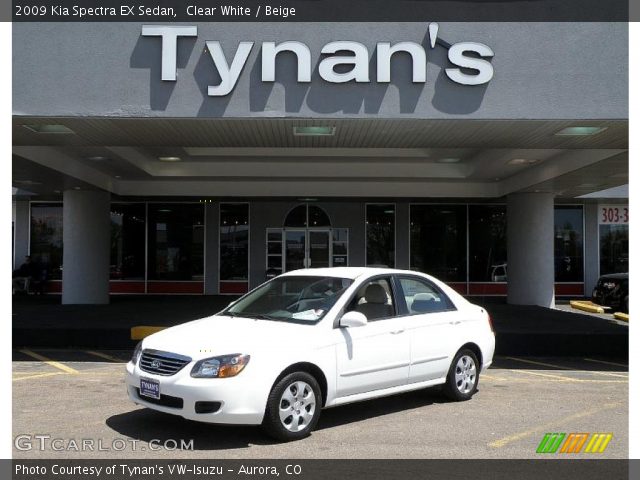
pixel 150 388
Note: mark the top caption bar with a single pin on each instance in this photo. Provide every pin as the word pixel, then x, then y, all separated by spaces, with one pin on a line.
pixel 320 11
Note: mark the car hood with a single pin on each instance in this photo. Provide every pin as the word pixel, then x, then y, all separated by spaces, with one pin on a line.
pixel 221 335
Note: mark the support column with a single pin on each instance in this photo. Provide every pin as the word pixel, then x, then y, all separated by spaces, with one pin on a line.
pixel 591 248
pixel 530 254
pixel 212 224
pixel 86 236
pixel 21 228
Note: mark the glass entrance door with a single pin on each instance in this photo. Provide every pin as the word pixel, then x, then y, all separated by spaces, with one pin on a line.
pixel 295 250
pixel 319 249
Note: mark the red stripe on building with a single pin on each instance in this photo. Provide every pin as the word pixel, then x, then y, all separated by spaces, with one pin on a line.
pixel 234 287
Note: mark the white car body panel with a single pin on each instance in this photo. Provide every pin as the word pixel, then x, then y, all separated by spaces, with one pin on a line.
pixel 382 358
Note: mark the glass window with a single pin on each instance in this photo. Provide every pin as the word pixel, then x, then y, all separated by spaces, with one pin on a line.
pixel 381 232
pixel 176 241
pixel 374 300
pixel 127 241
pixel 422 297
pixel 297 217
pixel 487 243
pixel 304 299
pixel 234 241
pixel 340 247
pixel 568 244
pixel 438 242
pixel 46 238
pixel 614 249
pixel 318 217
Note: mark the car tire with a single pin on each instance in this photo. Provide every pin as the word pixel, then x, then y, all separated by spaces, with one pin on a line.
pixel 293 407
pixel 463 376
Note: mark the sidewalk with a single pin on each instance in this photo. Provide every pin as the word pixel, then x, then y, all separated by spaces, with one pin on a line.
pixel 520 330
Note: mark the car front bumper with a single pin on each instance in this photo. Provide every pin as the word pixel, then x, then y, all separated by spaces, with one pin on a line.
pixel 239 402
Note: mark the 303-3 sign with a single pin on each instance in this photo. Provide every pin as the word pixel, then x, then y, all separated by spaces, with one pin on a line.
pixel 613 214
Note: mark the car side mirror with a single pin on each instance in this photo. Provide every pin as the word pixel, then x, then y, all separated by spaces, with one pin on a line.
pixel 353 319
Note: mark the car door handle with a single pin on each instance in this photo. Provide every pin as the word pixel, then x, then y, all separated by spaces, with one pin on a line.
pixel 455 322
pixel 396 332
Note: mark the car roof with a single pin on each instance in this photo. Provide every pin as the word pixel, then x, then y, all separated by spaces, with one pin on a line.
pixel 347 272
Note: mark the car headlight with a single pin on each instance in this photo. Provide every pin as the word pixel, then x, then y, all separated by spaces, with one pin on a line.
pixel 220 367
pixel 136 353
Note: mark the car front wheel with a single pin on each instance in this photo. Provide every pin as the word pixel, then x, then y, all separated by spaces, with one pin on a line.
pixel 462 379
pixel 293 407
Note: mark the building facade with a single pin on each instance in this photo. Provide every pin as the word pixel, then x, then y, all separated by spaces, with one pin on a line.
pixel 206 158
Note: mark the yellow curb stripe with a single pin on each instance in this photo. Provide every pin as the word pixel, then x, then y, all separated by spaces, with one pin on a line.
pixel 550 426
pixel 48 361
pixel 591 442
pixel 606 362
pixel 621 316
pixel 142 331
pixel 586 306
pixel 105 356
pixel 37 375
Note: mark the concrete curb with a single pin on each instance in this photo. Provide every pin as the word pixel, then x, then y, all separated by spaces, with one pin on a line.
pixel 621 316
pixel 586 306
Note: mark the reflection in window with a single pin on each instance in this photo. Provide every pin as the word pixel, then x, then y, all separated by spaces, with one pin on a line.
pixel 438 241
pixel 46 238
pixel 234 241
pixel 381 231
pixel 487 243
pixel 176 241
pixel 614 249
pixel 127 241
pixel 568 251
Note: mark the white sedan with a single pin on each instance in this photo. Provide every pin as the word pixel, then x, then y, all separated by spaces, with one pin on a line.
pixel 313 339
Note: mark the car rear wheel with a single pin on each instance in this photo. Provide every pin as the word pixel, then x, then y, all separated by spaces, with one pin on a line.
pixel 293 407
pixel 462 379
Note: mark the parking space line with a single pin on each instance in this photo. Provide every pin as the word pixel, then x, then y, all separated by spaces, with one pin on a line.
pixel 543 364
pixel 547 375
pixel 37 375
pixel 550 426
pixel 48 361
pixel 105 356
pixel 606 362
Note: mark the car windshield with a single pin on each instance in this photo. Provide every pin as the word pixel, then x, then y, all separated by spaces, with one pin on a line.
pixel 295 299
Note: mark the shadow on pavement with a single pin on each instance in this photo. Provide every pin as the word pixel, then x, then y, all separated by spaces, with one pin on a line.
pixel 146 424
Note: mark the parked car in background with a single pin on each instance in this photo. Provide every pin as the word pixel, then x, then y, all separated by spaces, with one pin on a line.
pixel 612 291
pixel 312 339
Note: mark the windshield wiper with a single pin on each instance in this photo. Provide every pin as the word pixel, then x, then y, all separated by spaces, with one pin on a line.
pixel 258 316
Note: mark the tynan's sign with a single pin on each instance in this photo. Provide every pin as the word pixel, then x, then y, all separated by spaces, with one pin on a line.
pixel 469 59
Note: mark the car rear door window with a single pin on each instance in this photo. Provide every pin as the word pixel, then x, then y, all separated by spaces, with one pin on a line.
pixel 423 297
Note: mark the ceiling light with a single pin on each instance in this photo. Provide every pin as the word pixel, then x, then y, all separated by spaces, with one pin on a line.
pixel 580 131
pixel 522 161
pixel 76 188
pixel 97 158
pixel 448 160
pixel 57 191
pixel 169 159
pixel 307 199
pixel 48 128
pixel 311 131
pixel 164 210
pixel 117 176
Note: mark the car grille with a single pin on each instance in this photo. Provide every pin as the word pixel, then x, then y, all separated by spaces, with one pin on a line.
pixel 162 363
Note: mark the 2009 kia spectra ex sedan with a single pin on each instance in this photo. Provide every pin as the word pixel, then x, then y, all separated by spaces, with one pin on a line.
pixel 311 339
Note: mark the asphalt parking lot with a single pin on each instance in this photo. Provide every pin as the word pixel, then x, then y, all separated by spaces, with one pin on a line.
pixel 72 396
